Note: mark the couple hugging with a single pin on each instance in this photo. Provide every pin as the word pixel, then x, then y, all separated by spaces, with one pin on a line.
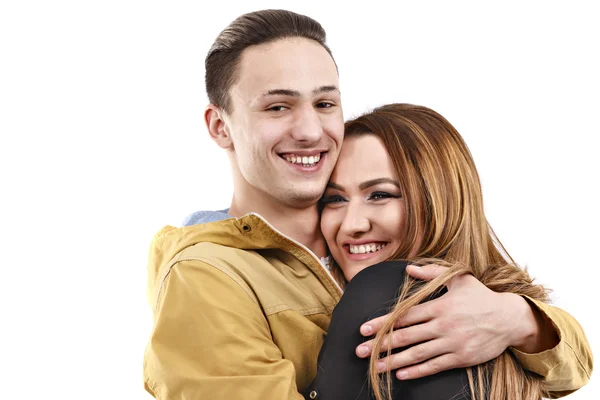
pixel 360 271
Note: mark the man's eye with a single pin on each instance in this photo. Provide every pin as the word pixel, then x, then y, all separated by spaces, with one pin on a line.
pixel 332 199
pixel 324 104
pixel 276 108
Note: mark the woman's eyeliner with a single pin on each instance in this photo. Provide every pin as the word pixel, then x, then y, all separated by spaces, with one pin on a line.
pixel 332 199
pixel 383 195
pixel 336 198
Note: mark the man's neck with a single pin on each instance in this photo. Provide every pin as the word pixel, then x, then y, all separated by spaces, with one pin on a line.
pixel 300 224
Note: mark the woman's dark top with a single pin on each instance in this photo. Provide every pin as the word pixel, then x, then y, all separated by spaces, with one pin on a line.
pixel 341 374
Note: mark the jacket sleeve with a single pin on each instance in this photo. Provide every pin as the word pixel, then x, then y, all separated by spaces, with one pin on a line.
pixel 567 366
pixel 211 340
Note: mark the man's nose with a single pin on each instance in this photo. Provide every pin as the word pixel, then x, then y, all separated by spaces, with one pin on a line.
pixel 308 127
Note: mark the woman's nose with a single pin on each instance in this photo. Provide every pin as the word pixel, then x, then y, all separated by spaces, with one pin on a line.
pixel 356 221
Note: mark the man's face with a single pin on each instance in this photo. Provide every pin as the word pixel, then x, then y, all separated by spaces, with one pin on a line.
pixel 286 122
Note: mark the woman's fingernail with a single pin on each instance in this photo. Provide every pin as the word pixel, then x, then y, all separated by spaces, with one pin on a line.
pixel 366 329
pixel 363 351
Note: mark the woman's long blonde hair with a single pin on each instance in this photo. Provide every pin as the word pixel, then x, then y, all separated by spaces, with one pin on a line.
pixel 444 211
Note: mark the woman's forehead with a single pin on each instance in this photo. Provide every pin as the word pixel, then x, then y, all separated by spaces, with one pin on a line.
pixel 363 158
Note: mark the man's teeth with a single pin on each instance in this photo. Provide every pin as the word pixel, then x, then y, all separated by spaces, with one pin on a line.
pixel 303 160
pixel 366 248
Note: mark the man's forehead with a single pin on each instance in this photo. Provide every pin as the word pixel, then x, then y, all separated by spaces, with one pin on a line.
pixel 287 67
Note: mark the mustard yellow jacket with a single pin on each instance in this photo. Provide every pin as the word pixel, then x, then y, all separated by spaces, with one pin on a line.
pixel 241 311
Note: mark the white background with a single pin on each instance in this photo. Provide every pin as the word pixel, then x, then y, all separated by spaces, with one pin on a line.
pixel 103 143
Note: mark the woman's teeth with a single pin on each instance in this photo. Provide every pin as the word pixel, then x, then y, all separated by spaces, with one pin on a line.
pixel 303 160
pixel 366 248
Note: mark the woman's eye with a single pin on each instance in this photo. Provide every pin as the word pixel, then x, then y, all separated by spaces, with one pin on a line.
pixel 332 199
pixel 382 195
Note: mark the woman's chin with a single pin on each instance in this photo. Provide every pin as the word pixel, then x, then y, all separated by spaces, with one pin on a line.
pixel 351 268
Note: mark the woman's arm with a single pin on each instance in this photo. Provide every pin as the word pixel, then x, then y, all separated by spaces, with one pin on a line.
pixel 343 375
pixel 484 323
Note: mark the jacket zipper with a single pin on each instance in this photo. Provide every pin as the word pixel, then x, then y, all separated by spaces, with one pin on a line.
pixel 306 249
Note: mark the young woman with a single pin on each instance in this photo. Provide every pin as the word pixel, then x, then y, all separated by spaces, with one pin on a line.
pixel 406 188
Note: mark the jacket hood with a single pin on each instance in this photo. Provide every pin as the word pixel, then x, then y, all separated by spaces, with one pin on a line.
pixel 250 232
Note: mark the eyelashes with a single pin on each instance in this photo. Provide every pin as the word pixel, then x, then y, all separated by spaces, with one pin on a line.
pixel 332 199
pixel 336 198
pixel 383 195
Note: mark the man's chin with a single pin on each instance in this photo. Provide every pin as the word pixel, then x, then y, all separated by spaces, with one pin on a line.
pixel 304 198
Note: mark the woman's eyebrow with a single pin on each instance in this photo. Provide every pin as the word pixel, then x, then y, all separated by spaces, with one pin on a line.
pixel 334 185
pixel 377 181
pixel 366 184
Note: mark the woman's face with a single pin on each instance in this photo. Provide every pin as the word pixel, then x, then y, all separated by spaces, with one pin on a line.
pixel 363 218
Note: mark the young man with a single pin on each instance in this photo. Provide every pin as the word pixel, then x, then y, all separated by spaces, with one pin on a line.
pixel 242 299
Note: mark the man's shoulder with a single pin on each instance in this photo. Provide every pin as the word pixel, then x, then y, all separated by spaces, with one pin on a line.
pixel 232 259
pixel 212 251
pixel 202 217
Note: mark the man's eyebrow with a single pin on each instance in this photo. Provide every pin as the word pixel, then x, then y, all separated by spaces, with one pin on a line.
pixel 377 181
pixel 281 92
pixel 326 89
pixel 296 93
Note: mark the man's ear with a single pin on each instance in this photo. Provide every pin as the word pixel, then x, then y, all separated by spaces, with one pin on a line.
pixel 214 117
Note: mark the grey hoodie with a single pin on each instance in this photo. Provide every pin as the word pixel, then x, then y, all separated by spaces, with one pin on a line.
pixel 202 217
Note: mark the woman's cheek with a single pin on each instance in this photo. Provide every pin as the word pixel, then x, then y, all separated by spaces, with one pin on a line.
pixel 328 227
pixel 400 217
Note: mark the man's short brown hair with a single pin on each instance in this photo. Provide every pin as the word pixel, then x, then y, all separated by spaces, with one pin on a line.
pixel 251 29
